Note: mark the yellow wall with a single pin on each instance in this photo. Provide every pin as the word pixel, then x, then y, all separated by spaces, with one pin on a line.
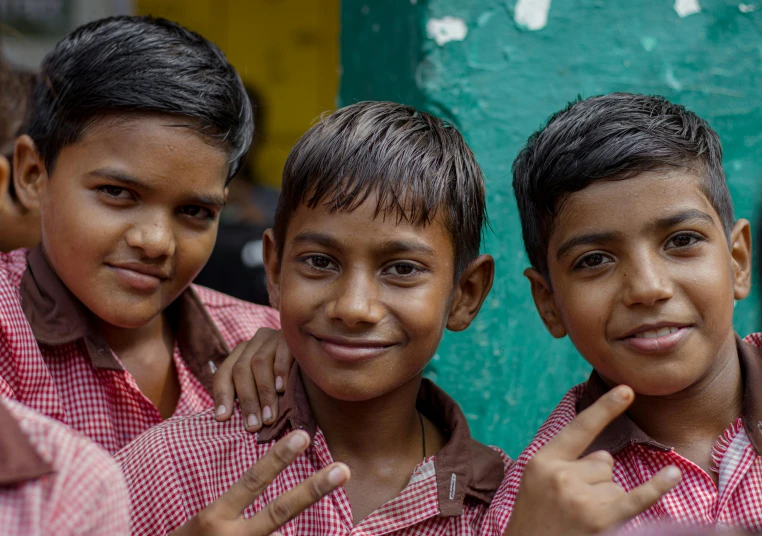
pixel 287 49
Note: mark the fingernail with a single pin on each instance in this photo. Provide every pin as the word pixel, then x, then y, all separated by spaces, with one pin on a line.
pixel 298 440
pixel 672 474
pixel 621 393
pixel 252 420
pixel 337 476
pixel 279 383
pixel 267 413
pixel 221 410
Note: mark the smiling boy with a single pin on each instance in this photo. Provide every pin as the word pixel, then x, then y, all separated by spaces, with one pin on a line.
pixel 136 127
pixel 375 251
pixel 628 223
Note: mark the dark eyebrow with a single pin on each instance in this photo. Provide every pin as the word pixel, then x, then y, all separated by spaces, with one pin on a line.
pixel 217 201
pixel 583 240
pixel 692 214
pixel 397 246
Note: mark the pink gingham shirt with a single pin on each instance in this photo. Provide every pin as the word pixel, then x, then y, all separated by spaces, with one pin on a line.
pixel 55 481
pixel 696 500
pixel 181 466
pixel 53 359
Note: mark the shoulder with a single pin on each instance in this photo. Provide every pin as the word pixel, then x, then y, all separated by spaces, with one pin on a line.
pixel 238 318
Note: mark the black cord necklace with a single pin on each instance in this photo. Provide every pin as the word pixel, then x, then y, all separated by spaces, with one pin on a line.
pixel 423 434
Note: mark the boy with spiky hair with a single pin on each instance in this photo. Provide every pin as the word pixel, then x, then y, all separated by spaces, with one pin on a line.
pixel 136 126
pixel 628 224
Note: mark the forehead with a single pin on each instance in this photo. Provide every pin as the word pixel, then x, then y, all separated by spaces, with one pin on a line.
pixel 627 206
pixel 156 148
pixel 364 228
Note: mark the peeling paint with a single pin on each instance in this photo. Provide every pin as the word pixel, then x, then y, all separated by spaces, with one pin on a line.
pixel 746 8
pixel 446 29
pixel 532 14
pixel 648 43
pixel 685 8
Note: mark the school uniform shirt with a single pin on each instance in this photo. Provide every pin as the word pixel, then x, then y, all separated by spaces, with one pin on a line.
pixel 55 481
pixel 182 465
pixel 53 358
pixel 736 501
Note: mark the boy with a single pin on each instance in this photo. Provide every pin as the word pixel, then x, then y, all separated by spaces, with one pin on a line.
pixel 136 126
pixel 21 227
pixel 628 224
pixel 374 252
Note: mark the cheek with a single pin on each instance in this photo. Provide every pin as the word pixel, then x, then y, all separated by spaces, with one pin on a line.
pixel 193 250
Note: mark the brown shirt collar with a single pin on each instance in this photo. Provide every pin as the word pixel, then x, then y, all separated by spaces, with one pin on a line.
pixel 58 317
pixel 464 467
pixel 623 432
pixel 19 460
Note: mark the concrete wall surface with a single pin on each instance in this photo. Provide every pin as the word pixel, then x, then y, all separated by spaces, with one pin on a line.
pixel 498 69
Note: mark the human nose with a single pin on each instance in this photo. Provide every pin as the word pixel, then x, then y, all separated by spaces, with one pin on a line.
pixel 356 301
pixel 647 283
pixel 154 235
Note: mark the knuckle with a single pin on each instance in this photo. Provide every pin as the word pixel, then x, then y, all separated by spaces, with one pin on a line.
pixel 280 512
pixel 254 481
pixel 240 368
pixel 260 358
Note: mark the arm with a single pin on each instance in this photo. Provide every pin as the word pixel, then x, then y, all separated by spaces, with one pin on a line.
pixel 563 494
pixel 256 371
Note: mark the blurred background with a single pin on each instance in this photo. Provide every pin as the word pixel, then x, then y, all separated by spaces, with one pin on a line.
pixel 496 69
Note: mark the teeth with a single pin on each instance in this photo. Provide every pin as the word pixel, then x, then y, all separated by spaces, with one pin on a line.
pixel 654 333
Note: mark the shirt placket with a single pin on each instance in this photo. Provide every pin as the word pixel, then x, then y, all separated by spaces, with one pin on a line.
pixel 736 463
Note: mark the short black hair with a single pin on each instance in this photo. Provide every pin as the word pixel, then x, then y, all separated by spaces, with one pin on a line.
pixel 132 64
pixel 415 163
pixel 610 137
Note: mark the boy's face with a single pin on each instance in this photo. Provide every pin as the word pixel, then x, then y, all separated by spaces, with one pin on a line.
pixel 364 300
pixel 644 282
pixel 129 214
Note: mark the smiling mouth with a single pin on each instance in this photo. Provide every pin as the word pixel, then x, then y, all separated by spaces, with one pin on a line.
pixel 657 339
pixel 137 278
pixel 352 351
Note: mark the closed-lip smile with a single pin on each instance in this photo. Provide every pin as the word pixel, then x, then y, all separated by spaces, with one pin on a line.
pixel 351 349
pixel 138 275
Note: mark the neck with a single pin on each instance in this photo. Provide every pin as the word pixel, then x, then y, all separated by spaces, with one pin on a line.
pixel 699 413
pixel 124 340
pixel 373 430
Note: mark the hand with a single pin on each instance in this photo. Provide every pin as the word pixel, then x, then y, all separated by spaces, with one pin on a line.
pixel 224 516
pixel 256 370
pixel 562 494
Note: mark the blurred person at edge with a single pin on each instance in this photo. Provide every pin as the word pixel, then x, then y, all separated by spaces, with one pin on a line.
pixel 19 225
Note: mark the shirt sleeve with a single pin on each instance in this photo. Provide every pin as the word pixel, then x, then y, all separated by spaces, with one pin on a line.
pixel 153 484
pixel 90 496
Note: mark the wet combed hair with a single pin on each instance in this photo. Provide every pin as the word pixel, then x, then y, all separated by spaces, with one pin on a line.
pixel 122 65
pixel 414 163
pixel 611 137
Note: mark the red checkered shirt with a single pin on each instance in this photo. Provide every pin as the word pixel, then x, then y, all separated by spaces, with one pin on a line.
pixel 696 500
pixel 179 467
pixel 55 481
pixel 53 359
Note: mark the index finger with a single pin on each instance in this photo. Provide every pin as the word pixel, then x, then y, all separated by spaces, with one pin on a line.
pixel 255 480
pixel 571 441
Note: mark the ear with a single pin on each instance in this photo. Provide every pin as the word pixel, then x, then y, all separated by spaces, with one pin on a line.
pixel 5 183
pixel 272 268
pixel 473 287
pixel 546 305
pixel 29 172
pixel 740 254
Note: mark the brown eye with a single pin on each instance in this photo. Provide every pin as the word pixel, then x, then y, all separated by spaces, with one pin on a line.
pixel 593 260
pixel 682 241
pixel 319 262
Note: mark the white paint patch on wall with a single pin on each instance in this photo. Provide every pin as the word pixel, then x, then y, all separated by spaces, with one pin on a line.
pixel 532 14
pixel 687 7
pixel 746 8
pixel 446 29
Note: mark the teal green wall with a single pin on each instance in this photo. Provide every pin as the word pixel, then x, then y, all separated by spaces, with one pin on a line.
pixel 498 85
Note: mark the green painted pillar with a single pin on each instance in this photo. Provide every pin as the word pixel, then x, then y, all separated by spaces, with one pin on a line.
pixel 498 69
